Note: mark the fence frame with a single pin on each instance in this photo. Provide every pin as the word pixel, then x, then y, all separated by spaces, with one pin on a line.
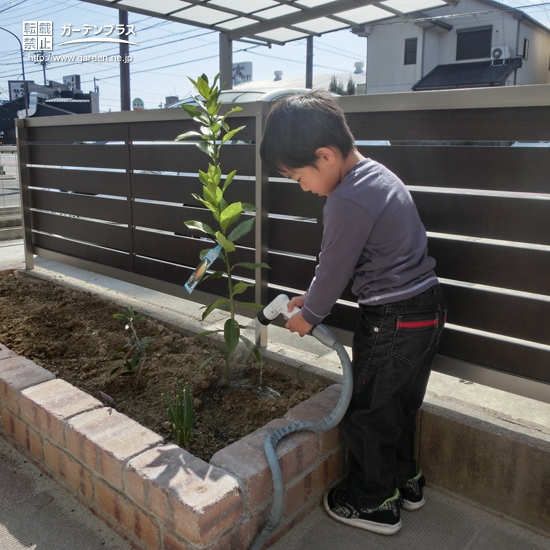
pixel 520 96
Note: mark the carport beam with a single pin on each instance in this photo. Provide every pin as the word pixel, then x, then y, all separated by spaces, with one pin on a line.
pixel 226 61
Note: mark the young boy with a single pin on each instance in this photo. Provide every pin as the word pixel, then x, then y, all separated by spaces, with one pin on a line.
pixel 372 234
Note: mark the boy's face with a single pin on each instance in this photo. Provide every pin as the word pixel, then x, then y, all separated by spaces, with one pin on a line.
pixel 321 179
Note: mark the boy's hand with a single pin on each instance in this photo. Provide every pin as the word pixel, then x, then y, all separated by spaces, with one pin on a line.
pixel 298 324
pixel 297 301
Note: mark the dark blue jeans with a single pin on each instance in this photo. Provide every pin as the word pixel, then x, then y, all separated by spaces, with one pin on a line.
pixel 393 350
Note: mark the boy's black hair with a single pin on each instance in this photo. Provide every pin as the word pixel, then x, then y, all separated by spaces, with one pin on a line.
pixel 298 125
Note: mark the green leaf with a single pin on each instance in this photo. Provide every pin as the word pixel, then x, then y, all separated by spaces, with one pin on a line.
pixel 221 303
pixel 250 265
pixel 247 207
pixel 216 275
pixel 206 148
pixel 206 361
pixel 241 229
pixel 191 110
pixel 252 349
pixel 231 133
pixel 239 288
pixel 138 318
pixel 230 215
pixel 231 333
pixel 251 305
pixel 205 228
pixel 228 246
pixel 186 135
pixel 229 179
pixel 120 317
pixel 202 87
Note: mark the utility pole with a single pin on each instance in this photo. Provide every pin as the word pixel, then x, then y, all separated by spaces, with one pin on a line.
pixel 124 51
pixel 26 97
pixel 41 60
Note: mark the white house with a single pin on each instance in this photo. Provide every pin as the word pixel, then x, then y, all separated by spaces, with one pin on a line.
pixel 476 43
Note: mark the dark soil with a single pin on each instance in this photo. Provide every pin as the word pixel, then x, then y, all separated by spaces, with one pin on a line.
pixel 75 336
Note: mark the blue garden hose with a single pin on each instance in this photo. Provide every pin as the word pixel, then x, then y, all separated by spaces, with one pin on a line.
pixel 266 316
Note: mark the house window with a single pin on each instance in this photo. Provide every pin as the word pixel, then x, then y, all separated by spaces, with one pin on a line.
pixel 410 50
pixel 473 43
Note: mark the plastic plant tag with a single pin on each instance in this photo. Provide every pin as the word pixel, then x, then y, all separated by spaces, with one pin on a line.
pixel 198 274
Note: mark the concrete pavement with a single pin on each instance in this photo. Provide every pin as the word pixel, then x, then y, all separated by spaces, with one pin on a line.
pixel 444 523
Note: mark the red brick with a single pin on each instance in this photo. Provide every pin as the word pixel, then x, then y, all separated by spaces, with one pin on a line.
pixel 126 515
pixel 50 405
pixel 170 541
pixel 250 466
pixel 105 440
pixel 16 374
pixel 194 499
pixel 314 483
pixel 23 434
pixel 243 534
pixel 68 470
pixel 296 452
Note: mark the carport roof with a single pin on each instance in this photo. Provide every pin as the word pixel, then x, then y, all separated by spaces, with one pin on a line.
pixel 273 21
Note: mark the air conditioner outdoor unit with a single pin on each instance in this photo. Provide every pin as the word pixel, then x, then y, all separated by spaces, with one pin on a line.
pixel 500 53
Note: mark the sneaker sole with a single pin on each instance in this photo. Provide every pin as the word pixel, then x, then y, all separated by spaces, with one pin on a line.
pixel 411 506
pixel 380 528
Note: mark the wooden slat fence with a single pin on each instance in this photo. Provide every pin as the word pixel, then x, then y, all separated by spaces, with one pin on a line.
pixel 112 191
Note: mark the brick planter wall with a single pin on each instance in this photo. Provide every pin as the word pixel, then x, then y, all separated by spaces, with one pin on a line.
pixel 160 496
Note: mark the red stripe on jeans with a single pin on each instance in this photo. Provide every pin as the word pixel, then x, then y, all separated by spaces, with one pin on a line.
pixel 417 324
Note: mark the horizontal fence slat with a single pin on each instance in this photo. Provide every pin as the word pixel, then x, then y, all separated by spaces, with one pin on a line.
pixel 96 254
pixel 496 354
pixel 294 236
pixel 500 218
pixel 499 266
pixel 288 199
pixel 172 188
pixel 514 316
pixel 79 133
pixel 290 271
pixel 168 130
pixel 186 157
pixel 516 169
pixel 185 251
pixel 80 181
pixel 100 234
pixel 99 208
pixel 90 156
pixel 489 124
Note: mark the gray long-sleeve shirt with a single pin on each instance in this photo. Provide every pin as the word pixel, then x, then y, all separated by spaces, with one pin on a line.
pixel 372 233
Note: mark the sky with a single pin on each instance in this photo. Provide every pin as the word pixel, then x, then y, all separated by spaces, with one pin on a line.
pixel 167 52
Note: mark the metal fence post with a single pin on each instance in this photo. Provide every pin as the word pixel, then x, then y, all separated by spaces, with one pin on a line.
pixel 261 225
pixel 22 156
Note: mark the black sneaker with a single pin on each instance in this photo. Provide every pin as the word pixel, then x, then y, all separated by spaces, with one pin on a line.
pixel 384 520
pixel 412 494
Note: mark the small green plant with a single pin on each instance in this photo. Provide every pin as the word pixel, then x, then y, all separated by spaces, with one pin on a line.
pixel 132 352
pixel 181 413
pixel 214 133
pixel 351 89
